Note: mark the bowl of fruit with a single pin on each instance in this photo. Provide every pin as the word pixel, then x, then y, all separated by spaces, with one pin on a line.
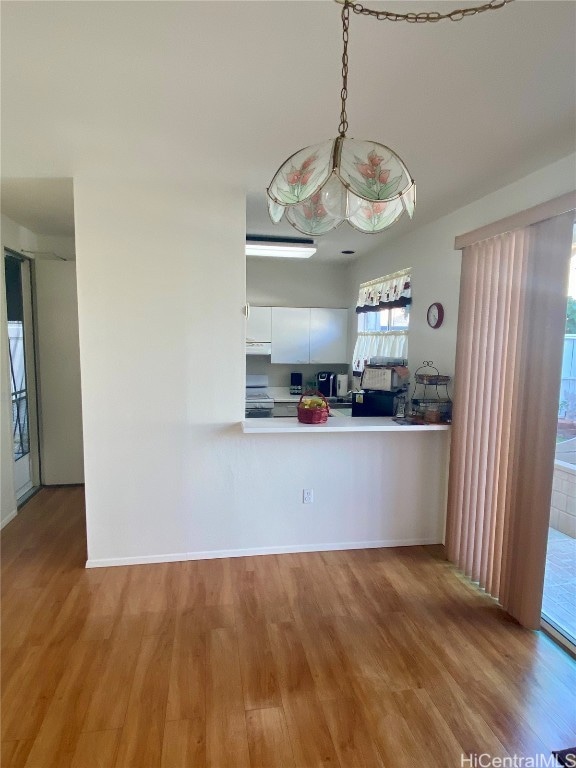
pixel 313 408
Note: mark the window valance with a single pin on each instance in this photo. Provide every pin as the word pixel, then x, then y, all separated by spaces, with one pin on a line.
pixel 385 293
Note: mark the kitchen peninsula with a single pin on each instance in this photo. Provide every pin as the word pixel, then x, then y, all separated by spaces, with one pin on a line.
pixel 337 423
pixel 375 483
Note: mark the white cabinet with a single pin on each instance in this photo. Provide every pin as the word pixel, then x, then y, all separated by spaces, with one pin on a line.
pixel 328 335
pixel 290 335
pixel 259 324
pixel 309 335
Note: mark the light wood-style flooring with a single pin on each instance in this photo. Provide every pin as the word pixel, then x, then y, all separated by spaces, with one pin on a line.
pixel 346 659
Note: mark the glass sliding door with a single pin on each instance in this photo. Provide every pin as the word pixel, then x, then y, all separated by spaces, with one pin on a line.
pixel 559 599
pixel 22 374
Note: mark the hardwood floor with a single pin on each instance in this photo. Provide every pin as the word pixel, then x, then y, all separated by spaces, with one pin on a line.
pixel 363 658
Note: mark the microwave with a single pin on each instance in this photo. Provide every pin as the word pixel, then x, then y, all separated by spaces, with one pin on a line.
pixel 373 403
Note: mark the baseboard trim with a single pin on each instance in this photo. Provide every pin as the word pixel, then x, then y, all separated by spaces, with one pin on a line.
pixel 255 551
pixel 143 560
pixel 8 519
pixel 25 498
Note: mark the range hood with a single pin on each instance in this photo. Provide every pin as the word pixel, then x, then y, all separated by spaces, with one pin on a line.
pixel 258 347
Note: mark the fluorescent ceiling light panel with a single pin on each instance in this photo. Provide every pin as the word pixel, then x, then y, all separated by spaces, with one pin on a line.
pixel 278 250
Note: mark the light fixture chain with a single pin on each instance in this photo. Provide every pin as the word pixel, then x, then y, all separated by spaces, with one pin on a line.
pixel 343 127
pixel 432 16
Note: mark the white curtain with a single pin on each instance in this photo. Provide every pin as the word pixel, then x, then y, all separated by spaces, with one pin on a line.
pixel 379 344
pixel 385 292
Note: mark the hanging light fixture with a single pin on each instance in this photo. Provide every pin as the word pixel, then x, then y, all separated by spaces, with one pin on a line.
pixel 362 182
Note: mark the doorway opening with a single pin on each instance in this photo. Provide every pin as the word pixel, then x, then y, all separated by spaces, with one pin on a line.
pixel 22 370
pixel 559 598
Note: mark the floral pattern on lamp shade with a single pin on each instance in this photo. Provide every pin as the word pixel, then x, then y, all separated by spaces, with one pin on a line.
pixel 311 217
pixel 371 170
pixel 302 174
pixel 377 216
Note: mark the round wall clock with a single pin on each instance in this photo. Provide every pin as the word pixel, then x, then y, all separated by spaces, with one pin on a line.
pixel 435 315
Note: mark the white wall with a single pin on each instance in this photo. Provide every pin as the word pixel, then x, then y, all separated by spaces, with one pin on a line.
pixel 168 472
pixel 296 283
pixel 436 265
pixel 64 247
pixel 160 297
pixel 58 361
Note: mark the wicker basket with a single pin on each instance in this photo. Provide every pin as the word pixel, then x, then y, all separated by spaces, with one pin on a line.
pixel 313 415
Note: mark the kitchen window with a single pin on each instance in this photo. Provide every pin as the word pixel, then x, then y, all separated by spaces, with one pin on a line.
pixel 385 320
pixel 383 310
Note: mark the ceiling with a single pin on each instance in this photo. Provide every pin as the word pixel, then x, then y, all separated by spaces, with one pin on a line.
pixel 45 206
pixel 226 91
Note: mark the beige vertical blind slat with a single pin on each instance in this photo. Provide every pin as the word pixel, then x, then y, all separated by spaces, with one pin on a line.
pixel 498 393
pixel 456 524
pixel 506 451
pixel 508 361
pixel 471 436
pixel 492 395
pixel 475 398
pixel 484 408
pixel 455 500
pixel 521 240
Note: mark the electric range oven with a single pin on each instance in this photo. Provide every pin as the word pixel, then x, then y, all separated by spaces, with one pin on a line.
pixel 259 404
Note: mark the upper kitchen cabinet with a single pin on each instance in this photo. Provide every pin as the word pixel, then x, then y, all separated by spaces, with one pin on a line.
pixel 259 331
pixel 328 335
pixel 304 335
pixel 290 335
pixel 259 324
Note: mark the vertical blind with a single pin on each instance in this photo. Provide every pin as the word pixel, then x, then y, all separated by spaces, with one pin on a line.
pixel 508 361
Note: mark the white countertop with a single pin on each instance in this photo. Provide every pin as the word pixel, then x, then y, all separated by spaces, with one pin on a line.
pixel 336 424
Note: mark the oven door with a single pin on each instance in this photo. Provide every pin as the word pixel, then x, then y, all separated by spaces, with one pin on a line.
pixel 258 413
pixel 259 405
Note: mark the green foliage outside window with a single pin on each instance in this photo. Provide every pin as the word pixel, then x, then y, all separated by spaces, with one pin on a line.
pixel 571 315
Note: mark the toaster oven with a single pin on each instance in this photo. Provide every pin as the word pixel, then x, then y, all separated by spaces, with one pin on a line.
pixel 383 378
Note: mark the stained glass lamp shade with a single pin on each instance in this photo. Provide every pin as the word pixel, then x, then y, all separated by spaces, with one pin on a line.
pixel 362 182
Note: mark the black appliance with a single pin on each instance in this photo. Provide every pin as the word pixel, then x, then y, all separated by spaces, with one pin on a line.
pixel 326 382
pixel 295 383
pixel 373 403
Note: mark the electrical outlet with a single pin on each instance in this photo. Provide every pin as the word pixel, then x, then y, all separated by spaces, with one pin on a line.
pixel 307 496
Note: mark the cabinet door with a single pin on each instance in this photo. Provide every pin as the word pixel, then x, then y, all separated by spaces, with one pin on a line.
pixel 328 335
pixel 259 324
pixel 290 335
